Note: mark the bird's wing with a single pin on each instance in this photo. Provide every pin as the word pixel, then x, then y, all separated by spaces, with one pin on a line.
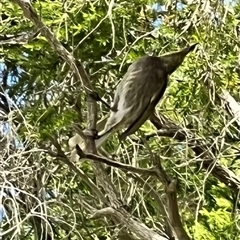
pixel 146 112
pixel 120 111
pixel 143 85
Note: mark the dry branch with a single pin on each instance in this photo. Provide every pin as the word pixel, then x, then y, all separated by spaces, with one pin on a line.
pixel 159 172
pixel 137 228
pixel 120 216
pixel 60 155
pixel 82 76
pixel 124 167
pixel 169 129
pixel 171 192
pixel 173 210
pixel 159 203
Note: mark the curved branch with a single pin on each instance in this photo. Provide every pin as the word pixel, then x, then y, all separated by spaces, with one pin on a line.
pixel 82 76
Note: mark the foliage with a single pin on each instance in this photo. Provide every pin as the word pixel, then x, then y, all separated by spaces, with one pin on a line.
pixel 44 99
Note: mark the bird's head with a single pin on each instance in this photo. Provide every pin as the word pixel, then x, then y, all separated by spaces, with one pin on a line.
pixel 173 60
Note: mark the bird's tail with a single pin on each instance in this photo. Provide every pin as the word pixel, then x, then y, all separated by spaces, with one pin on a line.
pixel 103 139
pixel 78 140
pixel 72 142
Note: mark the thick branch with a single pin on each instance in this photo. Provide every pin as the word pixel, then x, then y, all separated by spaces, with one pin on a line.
pixel 158 172
pixel 124 167
pixel 173 211
pixel 82 76
pixel 138 229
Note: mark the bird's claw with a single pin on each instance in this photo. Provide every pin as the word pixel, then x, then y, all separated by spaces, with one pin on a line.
pixel 95 96
pixel 91 133
pixel 97 136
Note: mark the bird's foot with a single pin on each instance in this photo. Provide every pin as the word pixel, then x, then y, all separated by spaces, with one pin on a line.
pixel 121 137
pixel 95 96
pixel 97 136
pixel 91 133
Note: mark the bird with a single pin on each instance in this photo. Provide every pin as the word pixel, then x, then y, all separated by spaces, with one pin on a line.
pixel 139 92
pixel 137 95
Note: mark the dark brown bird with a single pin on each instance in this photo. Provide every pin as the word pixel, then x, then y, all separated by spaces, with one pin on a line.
pixel 139 92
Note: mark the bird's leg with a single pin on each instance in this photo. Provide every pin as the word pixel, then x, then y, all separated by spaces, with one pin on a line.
pixel 91 133
pixel 97 98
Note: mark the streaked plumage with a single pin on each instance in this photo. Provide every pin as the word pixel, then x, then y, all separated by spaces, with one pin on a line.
pixel 136 96
pixel 139 92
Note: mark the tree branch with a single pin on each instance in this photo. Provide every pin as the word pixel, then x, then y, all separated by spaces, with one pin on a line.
pixel 158 172
pixel 60 155
pixel 173 211
pixel 137 228
pixel 159 203
pixel 18 38
pixel 82 76
pixel 169 129
pixel 124 167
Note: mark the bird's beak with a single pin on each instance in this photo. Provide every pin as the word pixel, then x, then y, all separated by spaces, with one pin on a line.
pixel 173 60
pixel 192 47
